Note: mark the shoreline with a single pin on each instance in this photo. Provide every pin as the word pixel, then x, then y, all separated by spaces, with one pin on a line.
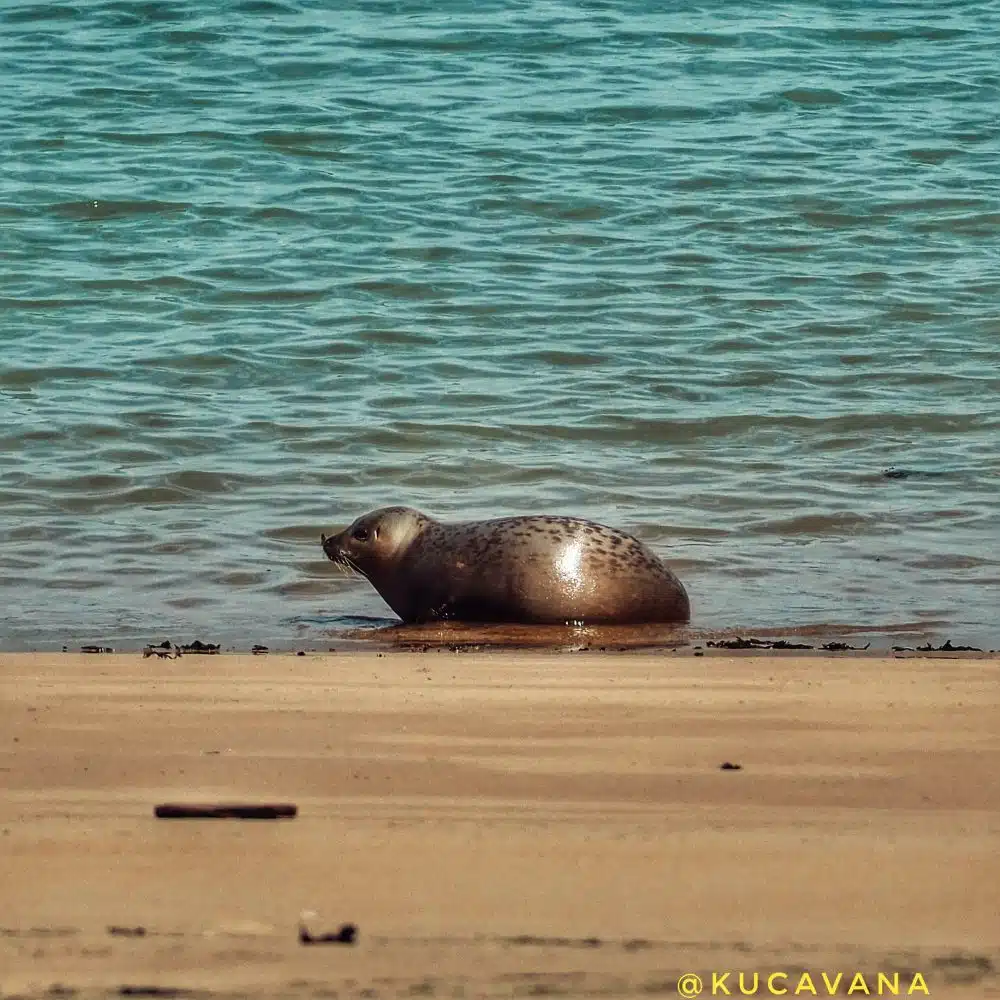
pixel 496 824
pixel 910 638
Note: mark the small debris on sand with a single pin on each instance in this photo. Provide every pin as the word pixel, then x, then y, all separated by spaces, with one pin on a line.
pixel 947 647
pixel 153 991
pixel 164 650
pixel 118 931
pixel 200 647
pixel 740 643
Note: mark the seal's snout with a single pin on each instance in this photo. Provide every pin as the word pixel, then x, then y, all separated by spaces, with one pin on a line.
pixel 329 544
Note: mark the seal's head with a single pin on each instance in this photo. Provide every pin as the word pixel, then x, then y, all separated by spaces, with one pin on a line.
pixel 375 540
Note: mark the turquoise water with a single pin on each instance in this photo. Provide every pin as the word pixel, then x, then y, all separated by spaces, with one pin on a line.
pixel 703 274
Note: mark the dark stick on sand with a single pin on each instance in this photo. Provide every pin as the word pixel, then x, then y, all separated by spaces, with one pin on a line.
pixel 225 810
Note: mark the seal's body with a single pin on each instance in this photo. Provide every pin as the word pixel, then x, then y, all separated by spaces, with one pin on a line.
pixel 539 569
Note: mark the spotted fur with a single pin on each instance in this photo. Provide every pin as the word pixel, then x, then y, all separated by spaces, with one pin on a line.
pixel 537 569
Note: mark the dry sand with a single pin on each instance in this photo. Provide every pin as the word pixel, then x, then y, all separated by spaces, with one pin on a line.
pixel 499 825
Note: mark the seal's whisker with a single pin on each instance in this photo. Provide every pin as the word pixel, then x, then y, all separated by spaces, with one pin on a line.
pixel 343 559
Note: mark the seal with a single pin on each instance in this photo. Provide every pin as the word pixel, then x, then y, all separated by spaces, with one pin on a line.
pixel 540 569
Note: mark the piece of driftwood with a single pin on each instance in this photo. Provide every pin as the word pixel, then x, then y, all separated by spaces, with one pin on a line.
pixel 226 810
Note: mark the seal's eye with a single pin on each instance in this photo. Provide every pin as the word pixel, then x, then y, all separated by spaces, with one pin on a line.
pixel 361 534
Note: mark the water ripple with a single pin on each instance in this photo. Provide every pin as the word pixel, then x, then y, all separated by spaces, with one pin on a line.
pixel 706 275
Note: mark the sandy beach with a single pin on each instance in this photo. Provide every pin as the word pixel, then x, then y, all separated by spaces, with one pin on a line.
pixel 500 825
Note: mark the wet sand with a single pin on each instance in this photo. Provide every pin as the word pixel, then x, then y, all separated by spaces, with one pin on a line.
pixel 499 825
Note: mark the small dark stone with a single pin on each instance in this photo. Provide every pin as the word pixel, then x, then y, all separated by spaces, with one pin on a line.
pixel 729 766
pixel 636 944
pixel 348 934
